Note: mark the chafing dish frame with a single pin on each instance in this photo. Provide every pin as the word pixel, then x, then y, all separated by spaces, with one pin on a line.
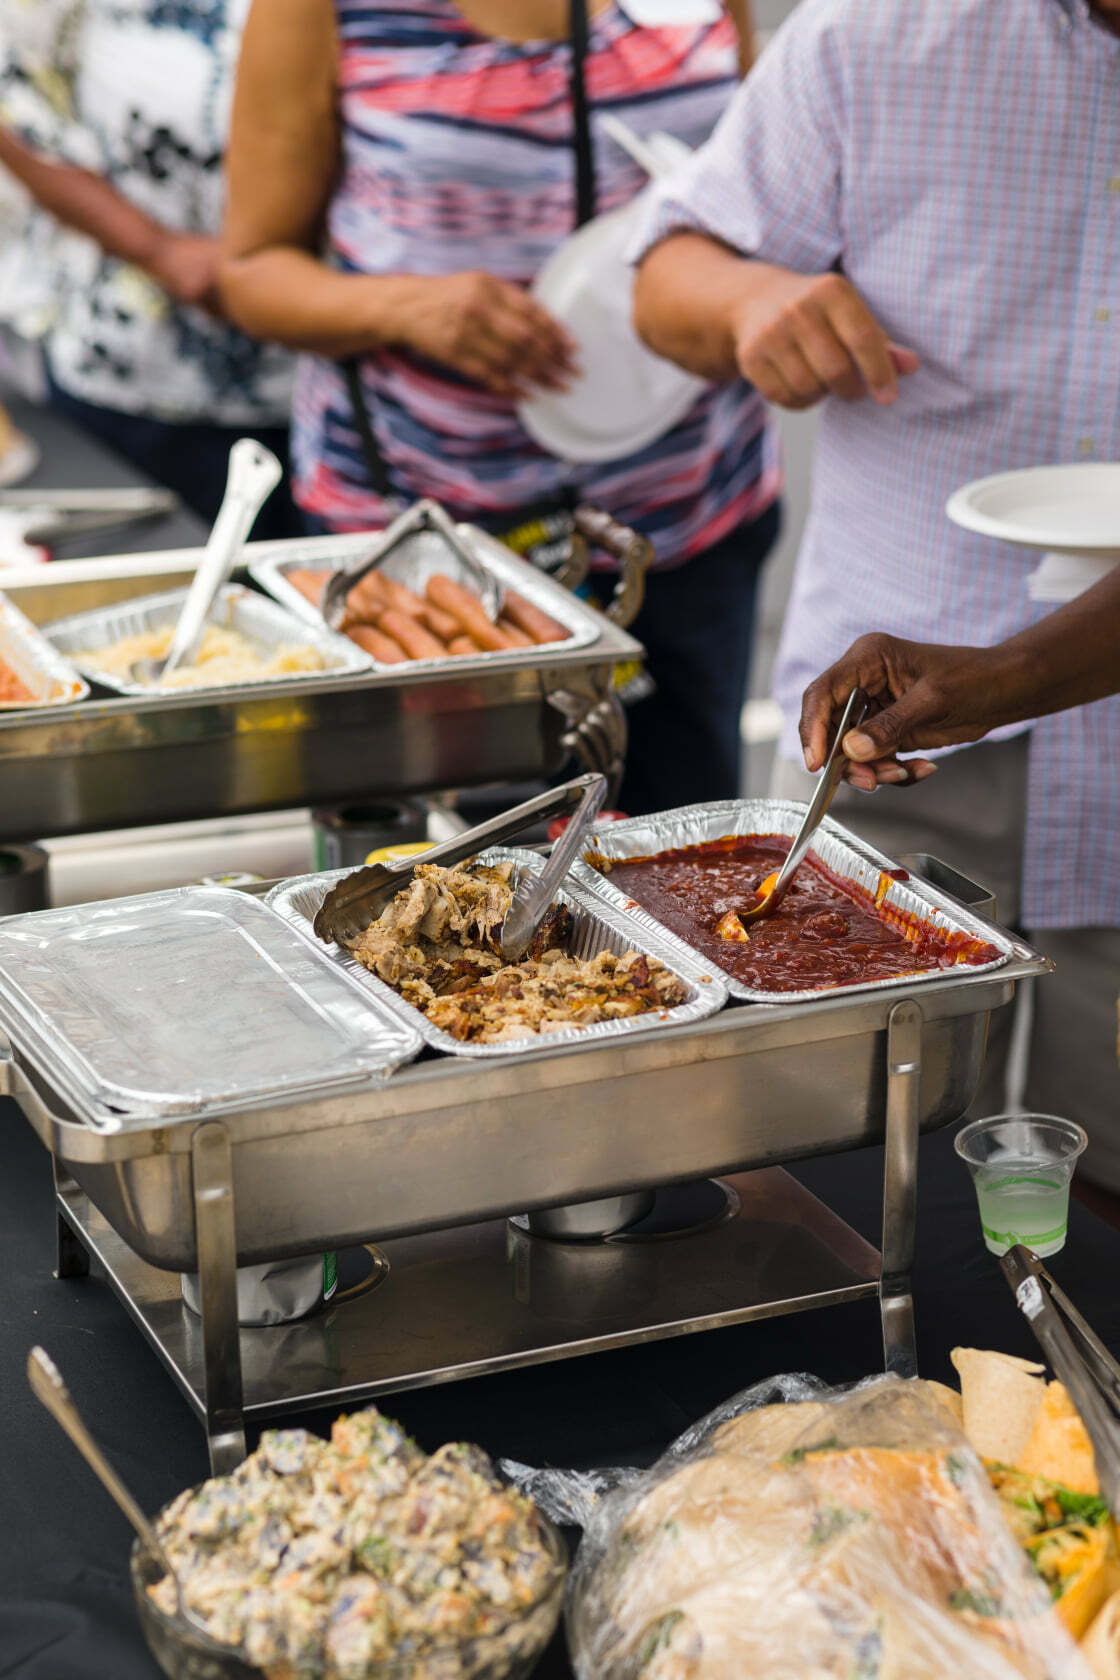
pixel 130 761
pixel 450 1143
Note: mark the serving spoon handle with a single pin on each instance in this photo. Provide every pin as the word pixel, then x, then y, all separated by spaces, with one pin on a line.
pixel 852 716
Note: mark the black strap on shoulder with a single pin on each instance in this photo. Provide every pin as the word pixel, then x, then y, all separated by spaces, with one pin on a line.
pixel 375 461
pixel 581 116
pixel 586 196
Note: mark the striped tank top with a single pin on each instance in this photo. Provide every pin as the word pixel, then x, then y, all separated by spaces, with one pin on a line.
pixel 456 153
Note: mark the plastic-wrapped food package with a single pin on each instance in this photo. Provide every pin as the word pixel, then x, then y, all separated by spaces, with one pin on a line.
pixel 801 1533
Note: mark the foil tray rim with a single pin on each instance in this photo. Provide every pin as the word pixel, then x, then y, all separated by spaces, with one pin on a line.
pixel 37 652
pixel 717 818
pixel 91 1099
pixel 277 627
pixel 708 987
pixel 269 571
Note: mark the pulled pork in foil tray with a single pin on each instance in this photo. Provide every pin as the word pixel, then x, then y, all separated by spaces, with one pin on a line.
pixel 439 945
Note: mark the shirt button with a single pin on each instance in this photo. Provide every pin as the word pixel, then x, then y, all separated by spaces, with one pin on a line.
pixel 1114 183
pixel 1085 445
pixel 1102 314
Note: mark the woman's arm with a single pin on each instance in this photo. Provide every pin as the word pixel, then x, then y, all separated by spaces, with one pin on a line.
pixel 741 13
pixel 931 696
pixel 185 265
pixel 282 165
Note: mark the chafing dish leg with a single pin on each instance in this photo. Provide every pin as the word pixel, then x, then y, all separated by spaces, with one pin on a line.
pixel 900 1187
pixel 215 1236
pixel 72 1256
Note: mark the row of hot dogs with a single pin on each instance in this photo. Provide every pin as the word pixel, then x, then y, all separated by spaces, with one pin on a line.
pixel 393 623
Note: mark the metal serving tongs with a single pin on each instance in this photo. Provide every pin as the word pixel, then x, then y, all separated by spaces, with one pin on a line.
pixel 424 515
pixel 351 906
pixel 1077 1356
pixel 47 518
pixel 774 888
pixel 254 472
pixel 48 1387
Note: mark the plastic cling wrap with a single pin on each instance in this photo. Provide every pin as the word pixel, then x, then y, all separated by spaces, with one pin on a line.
pixel 800 1534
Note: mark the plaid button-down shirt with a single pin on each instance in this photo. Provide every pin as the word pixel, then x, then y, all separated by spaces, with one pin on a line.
pixel 959 161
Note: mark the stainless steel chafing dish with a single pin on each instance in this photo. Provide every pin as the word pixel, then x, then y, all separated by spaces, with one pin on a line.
pixel 323 739
pixel 430 1164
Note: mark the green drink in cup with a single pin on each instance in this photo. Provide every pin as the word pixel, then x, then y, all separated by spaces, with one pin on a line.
pixel 1021 1165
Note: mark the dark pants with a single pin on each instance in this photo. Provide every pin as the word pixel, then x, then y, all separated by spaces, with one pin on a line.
pixel 697 625
pixel 189 458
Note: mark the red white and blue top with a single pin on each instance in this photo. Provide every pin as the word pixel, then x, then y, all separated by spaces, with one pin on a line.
pixel 457 154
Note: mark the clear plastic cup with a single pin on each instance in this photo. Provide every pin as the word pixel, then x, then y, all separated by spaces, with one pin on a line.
pixel 1021 1166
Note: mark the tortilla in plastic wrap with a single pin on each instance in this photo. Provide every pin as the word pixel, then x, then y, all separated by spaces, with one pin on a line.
pixel 850 1536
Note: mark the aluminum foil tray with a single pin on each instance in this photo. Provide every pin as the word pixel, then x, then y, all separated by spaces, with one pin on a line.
pixel 237 608
pixel 52 680
pixel 837 848
pixel 413 561
pixel 185 1003
pixel 598 928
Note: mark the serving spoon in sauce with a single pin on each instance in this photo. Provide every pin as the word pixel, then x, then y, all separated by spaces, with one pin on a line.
pixel 775 887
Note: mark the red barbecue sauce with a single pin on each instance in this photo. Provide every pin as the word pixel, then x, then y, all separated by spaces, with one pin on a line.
pixel 824 933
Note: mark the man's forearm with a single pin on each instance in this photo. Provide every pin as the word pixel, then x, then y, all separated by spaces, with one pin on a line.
pixel 687 291
pixel 85 202
pixel 1070 658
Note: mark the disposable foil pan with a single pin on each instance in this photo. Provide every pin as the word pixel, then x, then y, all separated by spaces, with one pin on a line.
pixel 178 1004
pixel 844 853
pixel 52 680
pixel 236 608
pixel 598 927
pixel 413 561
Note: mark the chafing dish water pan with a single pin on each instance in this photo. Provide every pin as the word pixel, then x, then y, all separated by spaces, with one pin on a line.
pixel 186 1003
pixel 842 852
pixel 597 928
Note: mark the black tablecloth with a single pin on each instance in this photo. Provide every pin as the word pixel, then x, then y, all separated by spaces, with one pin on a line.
pixel 65 1611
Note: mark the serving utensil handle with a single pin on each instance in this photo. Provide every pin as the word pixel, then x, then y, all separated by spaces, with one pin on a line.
pixel 346 910
pixel 254 472
pixel 50 1390
pixel 633 552
pixel 852 716
pixel 536 893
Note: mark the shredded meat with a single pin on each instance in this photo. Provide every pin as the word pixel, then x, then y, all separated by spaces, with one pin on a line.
pixel 438 944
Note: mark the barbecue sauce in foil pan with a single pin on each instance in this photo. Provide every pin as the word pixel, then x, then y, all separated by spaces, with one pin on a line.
pixel 850 921
pixel 824 933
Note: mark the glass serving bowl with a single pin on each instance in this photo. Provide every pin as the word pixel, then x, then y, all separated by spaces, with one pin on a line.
pixel 510 1652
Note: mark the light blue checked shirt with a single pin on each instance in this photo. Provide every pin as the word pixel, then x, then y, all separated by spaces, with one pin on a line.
pixel 959 160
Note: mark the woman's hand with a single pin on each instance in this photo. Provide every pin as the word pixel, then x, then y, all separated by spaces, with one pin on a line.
pixel 186 266
pixel 485 328
pixel 925 695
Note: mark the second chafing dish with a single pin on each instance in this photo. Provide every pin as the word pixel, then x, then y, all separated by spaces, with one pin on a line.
pixel 844 853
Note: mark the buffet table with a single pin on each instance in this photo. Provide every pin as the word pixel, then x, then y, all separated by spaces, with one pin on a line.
pixel 65 1607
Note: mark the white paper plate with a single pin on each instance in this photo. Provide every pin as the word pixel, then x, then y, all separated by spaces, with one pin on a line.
pixel 626 396
pixel 1071 509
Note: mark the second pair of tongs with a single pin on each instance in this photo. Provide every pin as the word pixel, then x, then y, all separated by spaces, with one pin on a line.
pixel 350 907
pixel 1078 1358
pixel 424 515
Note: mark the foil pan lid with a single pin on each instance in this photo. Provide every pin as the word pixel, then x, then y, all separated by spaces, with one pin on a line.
pixel 186 1002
